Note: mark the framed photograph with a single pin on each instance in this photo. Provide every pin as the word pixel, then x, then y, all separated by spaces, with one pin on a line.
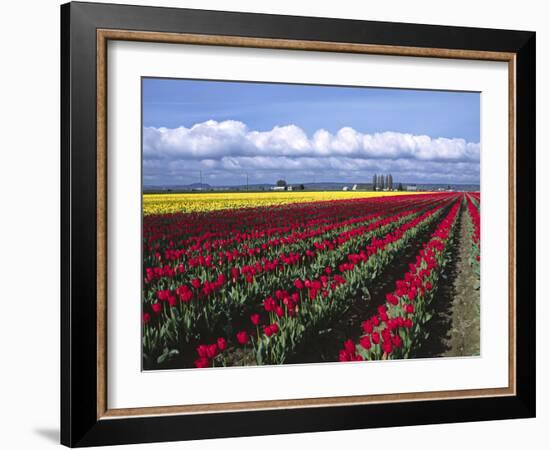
pixel 276 224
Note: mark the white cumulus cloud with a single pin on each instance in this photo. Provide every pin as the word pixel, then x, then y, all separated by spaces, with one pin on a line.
pixel 230 138
pixel 223 150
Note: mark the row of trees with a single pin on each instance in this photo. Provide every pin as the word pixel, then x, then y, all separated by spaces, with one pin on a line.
pixel 384 182
pixel 381 182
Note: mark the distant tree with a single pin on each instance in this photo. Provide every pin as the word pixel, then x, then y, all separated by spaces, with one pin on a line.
pixel 449 187
pixel 281 183
pixel 390 181
pixel 381 183
pixel 301 187
pixel 399 187
pixel 374 182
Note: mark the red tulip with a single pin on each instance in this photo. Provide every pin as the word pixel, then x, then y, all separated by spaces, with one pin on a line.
pixel 344 356
pixel 269 304
pixel 349 346
pixel 212 350
pixel 271 329
pixel 242 337
pixel 365 342
pixel 222 343
pixel 279 311
pixel 201 363
pixel 392 299
pixel 367 326
pixel 396 341
pixel 202 351
pixel 386 335
pixel 235 272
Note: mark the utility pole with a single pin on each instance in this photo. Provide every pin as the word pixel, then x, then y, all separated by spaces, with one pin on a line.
pixel 200 175
pixel 246 181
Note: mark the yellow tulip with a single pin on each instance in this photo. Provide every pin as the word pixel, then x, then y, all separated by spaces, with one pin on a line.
pixel 210 201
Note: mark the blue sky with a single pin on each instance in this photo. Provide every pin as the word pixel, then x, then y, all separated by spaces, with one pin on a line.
pixel 322 133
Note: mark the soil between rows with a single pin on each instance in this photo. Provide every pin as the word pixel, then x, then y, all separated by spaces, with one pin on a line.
pixel 455 327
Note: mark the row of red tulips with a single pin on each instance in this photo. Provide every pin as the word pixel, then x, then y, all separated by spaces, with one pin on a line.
pixel 473 225
pixel 393 330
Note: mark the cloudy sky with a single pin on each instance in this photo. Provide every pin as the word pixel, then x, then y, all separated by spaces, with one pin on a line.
pixel 305 133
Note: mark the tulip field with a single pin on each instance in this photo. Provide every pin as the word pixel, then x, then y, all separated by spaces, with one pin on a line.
pixel 261 279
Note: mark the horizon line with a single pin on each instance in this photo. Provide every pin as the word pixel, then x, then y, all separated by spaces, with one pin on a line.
pixel 306 183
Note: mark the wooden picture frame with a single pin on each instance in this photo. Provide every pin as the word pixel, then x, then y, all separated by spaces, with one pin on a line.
pixel 86 418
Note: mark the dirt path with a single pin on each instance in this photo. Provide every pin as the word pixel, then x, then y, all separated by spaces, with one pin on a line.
pixel 454 329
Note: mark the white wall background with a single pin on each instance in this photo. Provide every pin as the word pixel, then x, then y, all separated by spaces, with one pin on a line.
pixel 29 224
